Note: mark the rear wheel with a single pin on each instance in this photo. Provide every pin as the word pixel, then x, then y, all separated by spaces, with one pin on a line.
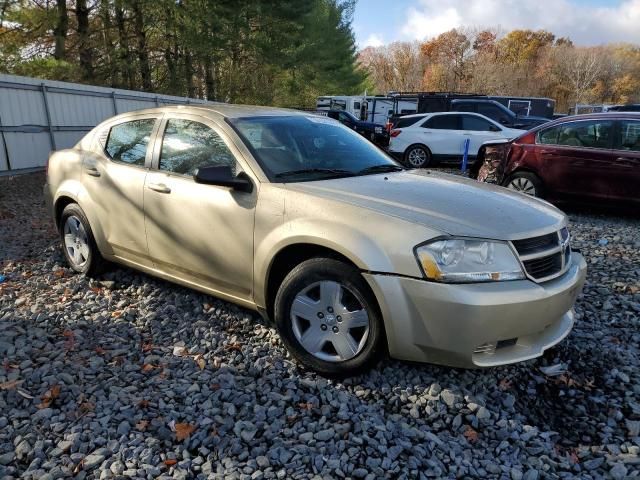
pixel 328 318
pixel 525 182
pixel 78 244
pixel 417 156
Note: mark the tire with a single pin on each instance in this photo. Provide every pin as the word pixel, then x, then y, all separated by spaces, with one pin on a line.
pixel 417 156
pixel 525 182
pixel 328 318
pixel 78 244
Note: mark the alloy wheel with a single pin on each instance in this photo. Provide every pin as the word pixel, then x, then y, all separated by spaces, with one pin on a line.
pixel 329 321
pixel 417 157
pixel 76 242
pixel 523 185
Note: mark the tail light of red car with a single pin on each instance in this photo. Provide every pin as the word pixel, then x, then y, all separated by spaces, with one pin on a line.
pixel 395 133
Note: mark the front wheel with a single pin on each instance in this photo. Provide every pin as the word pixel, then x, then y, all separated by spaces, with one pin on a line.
pixel 418 156
pixel 328 319
pixel 525 182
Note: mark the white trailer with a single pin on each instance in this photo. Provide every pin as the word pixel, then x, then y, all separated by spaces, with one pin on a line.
pixel 371 108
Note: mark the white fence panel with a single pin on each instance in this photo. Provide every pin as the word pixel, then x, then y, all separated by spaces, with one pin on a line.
pixel 37 116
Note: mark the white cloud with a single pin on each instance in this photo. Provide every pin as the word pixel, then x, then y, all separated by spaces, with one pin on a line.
pixel 372 40
pixel 584 24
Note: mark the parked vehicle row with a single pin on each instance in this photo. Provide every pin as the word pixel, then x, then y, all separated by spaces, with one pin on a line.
pixel 580 158
pixel 375 132
pixel 298 217
pixel 419 140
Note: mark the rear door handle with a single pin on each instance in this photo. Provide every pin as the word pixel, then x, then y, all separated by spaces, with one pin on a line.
pixel 159 187
pixel 93 171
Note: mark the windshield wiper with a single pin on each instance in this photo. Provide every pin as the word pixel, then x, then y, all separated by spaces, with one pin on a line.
pixel 384 168
pixel 331 171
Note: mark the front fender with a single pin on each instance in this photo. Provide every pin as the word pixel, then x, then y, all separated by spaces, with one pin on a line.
pixel 362 250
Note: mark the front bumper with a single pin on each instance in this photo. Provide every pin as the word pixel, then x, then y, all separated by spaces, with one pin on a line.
pixel 476 325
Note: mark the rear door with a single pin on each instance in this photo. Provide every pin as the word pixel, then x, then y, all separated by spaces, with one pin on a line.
pixel 576 159
pixel 113 176
pixel 443 135
pixel 627 160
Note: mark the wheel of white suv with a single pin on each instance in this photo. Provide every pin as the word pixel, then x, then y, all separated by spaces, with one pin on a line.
pixel 328 318
pixel 78 243
pixel 525 182
pixel 417 156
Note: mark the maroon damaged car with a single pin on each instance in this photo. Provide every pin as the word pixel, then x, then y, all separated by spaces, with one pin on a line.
pixel 583 158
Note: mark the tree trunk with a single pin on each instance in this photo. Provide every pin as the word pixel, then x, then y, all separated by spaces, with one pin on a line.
pixel 141 38
pixel 84 45
pixel 124 52
pixel 188 74
pixel 61 29
pixel 209 81
pixel 108 43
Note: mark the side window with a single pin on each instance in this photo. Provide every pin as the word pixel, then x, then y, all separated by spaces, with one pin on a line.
pixel 585 134
pixel 477 124
pixel 127 142
pixel 490 111
pixel 548 136
pixel 356 105
pixel 407 122
pixel 189 145
pixel 629 136
pixel 443 122
pixel 343 117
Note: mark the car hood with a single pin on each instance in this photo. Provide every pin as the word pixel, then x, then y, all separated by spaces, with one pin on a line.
pixel 450 204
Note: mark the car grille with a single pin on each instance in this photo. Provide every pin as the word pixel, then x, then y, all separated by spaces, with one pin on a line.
pixel 545 257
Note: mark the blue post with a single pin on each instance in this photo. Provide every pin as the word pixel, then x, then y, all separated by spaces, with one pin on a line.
pixel 465 155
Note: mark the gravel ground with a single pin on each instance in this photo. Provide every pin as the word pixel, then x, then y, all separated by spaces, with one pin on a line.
pixel 130 376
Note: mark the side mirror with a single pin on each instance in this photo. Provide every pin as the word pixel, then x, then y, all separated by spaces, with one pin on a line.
pixel 223 176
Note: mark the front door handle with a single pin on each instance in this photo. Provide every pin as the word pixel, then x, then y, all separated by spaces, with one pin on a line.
pixel 159 187
pixel 93 171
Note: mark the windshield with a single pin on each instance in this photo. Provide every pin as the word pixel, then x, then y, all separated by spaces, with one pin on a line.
pixel 303 148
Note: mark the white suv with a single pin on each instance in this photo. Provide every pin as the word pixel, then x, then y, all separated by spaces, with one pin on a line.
pixel 419 139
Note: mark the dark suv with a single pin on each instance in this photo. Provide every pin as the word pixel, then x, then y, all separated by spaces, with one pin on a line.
pixel 583 157
pixel 375 132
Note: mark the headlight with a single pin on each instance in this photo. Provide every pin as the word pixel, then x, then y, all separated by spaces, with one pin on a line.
pixel 464 261
pixel 378 130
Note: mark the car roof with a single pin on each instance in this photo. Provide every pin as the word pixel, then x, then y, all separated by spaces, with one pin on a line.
pixel 593 116
pixel 222 109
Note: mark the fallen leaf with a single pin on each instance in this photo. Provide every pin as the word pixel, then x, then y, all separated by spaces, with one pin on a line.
pixel 170 461
pixel 470 434
pixel 234 346
pixel 116 314
pixel 142 425
pixel 306 406
pixel 86 407
pixel 99 350
pixel 573 457
pixel 96 289
pixel 179 351
pixel 10 385
pixel 184 430
pixel 59 273
pixel 143 403
pixel 216 386
pixel 147 367
pixel 49 396
pixel 504 384
pixel 200 361
pixel 147 347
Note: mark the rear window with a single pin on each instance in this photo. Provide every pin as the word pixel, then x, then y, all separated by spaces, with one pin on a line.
pixel 407 122
pixel 128 141
pixel 443 122
pixel 629 136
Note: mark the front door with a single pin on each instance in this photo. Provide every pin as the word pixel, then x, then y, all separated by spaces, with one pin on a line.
pixel 577 156
pixel 479 130
pixel 199 233
pixel 114 176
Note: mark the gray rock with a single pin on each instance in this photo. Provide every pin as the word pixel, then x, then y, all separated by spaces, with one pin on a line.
pixel 324 435
pixel 92 461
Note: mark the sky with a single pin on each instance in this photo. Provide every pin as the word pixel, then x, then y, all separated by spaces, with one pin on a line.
pixel 586 22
